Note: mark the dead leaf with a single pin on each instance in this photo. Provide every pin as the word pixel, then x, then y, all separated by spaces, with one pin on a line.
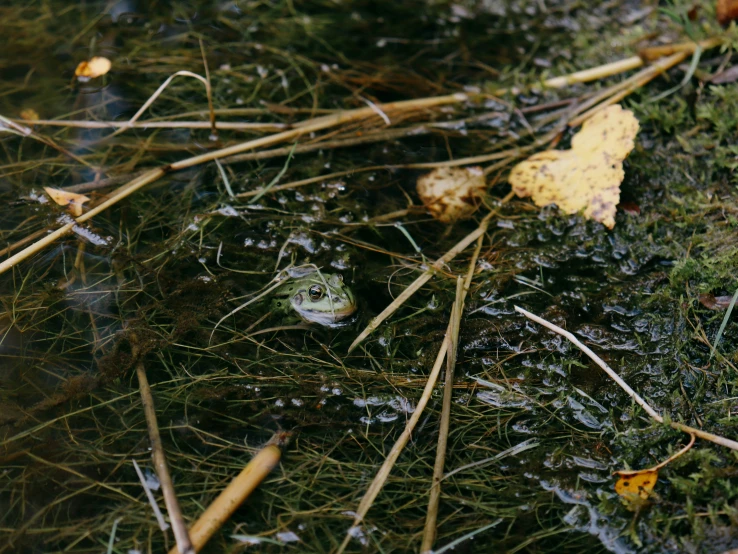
pixel 96 67
pixel 588 176
pixel 630 208
pixel 29 114
pixel 730 75
pixel 71 200
pixel 712 302
pixel 726 11
pixel 634 487
pixel 452 193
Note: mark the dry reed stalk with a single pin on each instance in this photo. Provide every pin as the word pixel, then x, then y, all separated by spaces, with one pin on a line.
pixel 390 134
pixel 448 344
pixel 381 477
pixel 308 126
pixel 594 73
pixel 429 532
pixel 427 274
pixel 722 441
pixel 616 93
pixel 179 527
pixel 231 125
pixel 316 124
pixel 431 518
pixel 235 493
pixel 652 53
pixel 18 128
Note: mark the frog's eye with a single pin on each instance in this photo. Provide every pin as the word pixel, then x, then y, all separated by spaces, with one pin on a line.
pixel 315 293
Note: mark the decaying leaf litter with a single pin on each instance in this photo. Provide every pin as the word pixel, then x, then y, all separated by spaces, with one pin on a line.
pixel 534 431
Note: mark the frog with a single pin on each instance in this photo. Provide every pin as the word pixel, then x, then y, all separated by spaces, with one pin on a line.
pixel 316 298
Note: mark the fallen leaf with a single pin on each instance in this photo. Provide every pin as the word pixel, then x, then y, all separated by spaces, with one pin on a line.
pixel 630 208
pixel 635 486
pixel 29 114
pixel 452 193
pixel 726 11
pixel 730 75
pixel 71 200
pixel 712 302
pixel 96 67
pixel 588 176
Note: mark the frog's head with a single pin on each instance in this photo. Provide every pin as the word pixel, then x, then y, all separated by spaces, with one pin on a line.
pixel 323 299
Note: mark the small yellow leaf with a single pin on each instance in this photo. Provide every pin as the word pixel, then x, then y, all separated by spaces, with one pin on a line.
pixel 639 483
pixel 29 114
pixel 96 67
pixel 451 193
pixel 71 200
pixel 635 486
pixel 588 176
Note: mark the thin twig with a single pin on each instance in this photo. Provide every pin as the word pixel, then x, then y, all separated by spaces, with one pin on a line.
pixel 158 92
pixel 616 93
pixel 629 391
pixel 309 126
pixel 163 525
pixel 429 532
pixel 381 477
pixel 148 124
pixel 209 93
pixel 426 275
pixel 451 331
pixel 179 527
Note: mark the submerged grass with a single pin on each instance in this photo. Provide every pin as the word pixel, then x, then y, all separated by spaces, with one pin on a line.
pixel 535 430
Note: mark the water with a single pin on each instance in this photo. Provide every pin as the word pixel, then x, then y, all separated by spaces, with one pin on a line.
pixel 157 271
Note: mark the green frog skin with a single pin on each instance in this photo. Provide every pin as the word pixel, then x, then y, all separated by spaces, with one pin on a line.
pixel 316 298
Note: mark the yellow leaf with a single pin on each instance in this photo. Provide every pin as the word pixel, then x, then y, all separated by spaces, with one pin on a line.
pixel 96 67
pixel 635 486
pixel 71 200
pixel 451 193
pixel 588 176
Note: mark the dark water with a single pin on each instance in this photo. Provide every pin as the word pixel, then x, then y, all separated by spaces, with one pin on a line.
pixel 536 428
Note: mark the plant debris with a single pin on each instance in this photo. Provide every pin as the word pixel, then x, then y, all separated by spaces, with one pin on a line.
pixel 72 200
pixel 636 486
pixel 452 193
pixel 588 176
pixel 95 67
pixel 535 432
